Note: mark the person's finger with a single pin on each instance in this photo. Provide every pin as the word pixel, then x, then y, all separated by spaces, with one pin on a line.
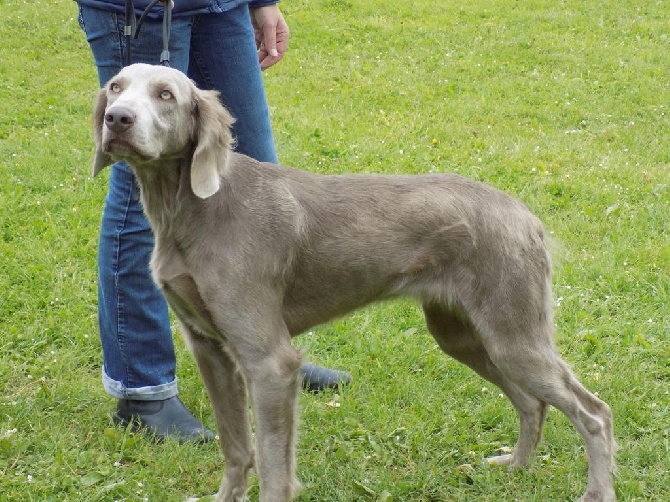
pixel 271 35
pixel 270 55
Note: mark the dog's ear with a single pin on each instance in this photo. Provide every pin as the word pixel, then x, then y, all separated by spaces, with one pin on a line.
pixel 101 158
pixel 213 143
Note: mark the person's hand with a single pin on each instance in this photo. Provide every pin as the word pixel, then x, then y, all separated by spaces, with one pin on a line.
pixel 164 2
pixel 271 32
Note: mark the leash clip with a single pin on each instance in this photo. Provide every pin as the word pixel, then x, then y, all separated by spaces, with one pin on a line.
pixel 165 58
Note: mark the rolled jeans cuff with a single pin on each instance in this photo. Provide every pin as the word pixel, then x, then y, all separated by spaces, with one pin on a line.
pixel 152 393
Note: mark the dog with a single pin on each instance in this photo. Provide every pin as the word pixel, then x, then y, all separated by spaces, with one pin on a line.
pixel 249 254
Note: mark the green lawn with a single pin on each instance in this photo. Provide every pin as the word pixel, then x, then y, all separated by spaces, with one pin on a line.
pixel 564 104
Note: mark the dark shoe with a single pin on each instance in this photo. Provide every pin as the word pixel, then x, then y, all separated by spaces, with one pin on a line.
pixel 166 418
pixel 317 378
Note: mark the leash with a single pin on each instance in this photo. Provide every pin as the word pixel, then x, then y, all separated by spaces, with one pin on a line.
pixel 132 29
pixel 129 27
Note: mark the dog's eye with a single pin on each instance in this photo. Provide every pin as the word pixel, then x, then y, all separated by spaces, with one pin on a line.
pixel 166 95
pixel 115 88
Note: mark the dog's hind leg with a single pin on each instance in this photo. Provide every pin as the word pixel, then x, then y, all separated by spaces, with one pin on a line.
pixel 227 393
pixel 549 378
pixel 457 338
pixel 520 345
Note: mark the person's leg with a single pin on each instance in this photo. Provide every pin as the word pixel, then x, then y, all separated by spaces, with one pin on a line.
pixel 138 351
pixel 230 66
pixel 224 58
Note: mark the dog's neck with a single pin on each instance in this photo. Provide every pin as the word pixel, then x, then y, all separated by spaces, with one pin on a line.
pixel 160 185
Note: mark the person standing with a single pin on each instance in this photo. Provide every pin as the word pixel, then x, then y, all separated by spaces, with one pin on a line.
pixel 222 45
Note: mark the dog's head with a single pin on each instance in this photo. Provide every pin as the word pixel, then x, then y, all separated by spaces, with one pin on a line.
pixel 148 115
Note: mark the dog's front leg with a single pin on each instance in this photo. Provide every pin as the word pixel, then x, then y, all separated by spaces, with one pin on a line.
pixel 226 390
pixel 272 372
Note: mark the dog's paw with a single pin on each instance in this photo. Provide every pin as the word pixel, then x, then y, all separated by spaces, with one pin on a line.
pixel 598 496
pixel 214 498
pixel 501 460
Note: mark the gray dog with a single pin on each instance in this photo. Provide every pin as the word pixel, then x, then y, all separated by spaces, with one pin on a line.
pixel 249 254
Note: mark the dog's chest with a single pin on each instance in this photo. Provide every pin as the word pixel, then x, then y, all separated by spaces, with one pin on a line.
pixel 184 298
pixel 180 289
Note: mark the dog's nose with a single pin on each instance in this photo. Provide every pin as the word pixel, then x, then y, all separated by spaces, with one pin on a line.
pixel 120 118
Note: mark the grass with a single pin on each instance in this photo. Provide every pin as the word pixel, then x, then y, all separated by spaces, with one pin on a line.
pixel 564 104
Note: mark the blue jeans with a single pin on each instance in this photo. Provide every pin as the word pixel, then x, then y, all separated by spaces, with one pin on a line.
pixel 217 51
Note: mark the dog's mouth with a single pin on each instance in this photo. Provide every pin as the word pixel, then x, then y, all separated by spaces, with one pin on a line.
pixel 120 148
pixel 117 145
